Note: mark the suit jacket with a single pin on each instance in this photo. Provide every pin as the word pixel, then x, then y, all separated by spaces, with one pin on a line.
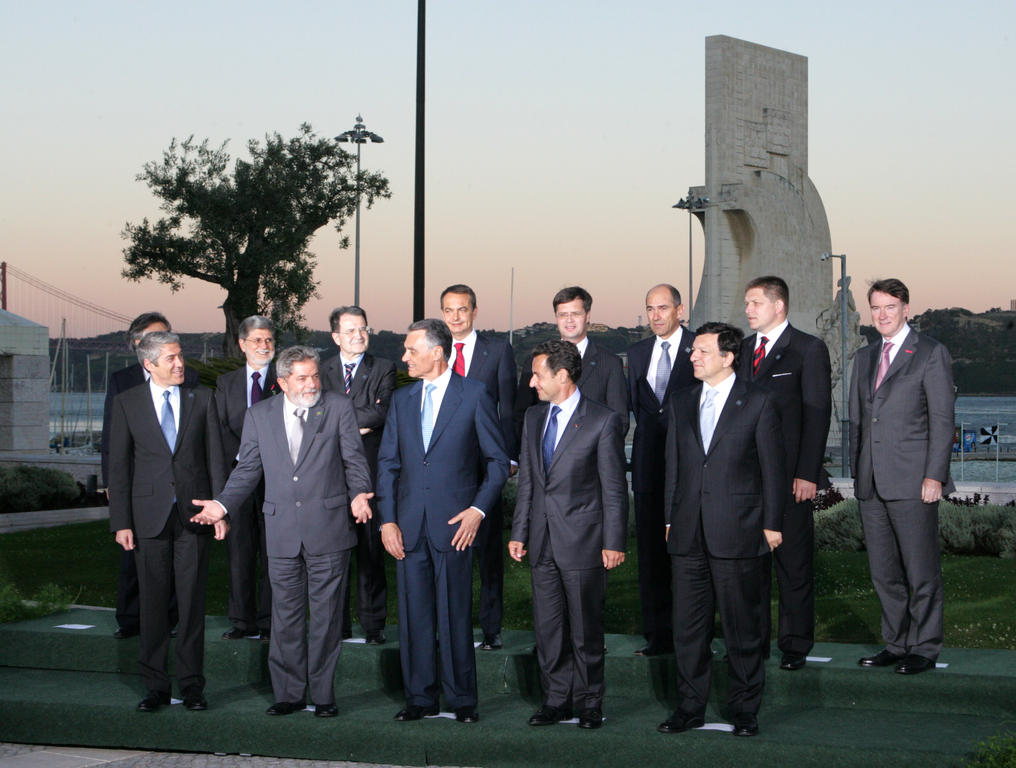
pixel 465 465
pixel 371 393
pixel 648 443
pixel 602 380
pixel 306 503
pixel 902 433
pixel 581 503
pixel 494 364
pixel 736 489
pixel 119 381
pixel 231 406
pixel 146 476
pixel 796 371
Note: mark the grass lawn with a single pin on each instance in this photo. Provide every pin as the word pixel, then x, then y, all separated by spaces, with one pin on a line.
pixel 980 592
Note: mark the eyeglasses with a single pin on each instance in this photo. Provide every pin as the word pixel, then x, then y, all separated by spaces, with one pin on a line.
pixel 366 330
pixel 570 315
pixel 260 341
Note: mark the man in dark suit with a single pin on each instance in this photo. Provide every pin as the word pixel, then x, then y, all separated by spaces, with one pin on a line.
pixel 441 467
pixel 901 436
pixel 368 382
pixel 127 610
pixel 658 367
pixel 490 361
pixel 725 497
pixel 602 372
pixel 250 594
pixel 572 511
pixel 164 450
pixel 794 367
pixel 307 447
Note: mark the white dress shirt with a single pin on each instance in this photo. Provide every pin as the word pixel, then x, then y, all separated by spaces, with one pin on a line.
pixel 567 407
pixel 468 348
pixel 158 399
pixel 722 392
pixel 772 336
pixel 654 360
pixel 897 342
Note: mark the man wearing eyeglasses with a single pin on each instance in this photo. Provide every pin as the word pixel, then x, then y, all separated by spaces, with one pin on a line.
pixel 369 382
pixel 250 596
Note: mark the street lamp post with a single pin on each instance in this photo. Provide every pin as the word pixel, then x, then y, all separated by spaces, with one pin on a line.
pixel 359 136
pixel 690 204
pixel 844 283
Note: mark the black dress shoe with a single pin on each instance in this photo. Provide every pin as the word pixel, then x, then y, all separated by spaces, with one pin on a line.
pixel 194 699
pixel 285 707
pixel 590 718
pixel 745 724
pixel 548 715
pixel 491 642
pixel 413 712
pixel 467 715
pixel 912 664
pixel 653 649
pixel 122 633
pixel 376 638
pixel 266 635
pixel 153 701
pixel 793 661
pixel 681 721
pixel 240 634
pixel 325 710
pixel 881 659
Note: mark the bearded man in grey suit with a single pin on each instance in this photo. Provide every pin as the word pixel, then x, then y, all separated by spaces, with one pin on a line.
pixel 901 437
pixel 572 511
pixel 317 484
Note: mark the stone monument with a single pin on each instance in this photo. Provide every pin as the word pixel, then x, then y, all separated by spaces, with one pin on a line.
pixel 24 386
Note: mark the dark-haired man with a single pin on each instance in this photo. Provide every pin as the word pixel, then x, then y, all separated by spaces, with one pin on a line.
pixel 491 361
pixel 658 367
pixel 572 513
pixel 369 382
pixel 127 610
pixel 794 367
pixel 724 493
pixel 901 436
pixel 602 377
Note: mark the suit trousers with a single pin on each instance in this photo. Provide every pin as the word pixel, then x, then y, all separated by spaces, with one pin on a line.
pixel 490 549
pixel 905 562
pixel 250 592
pixel 176 558
pixel 701 583
pixel 654 568
pixel 568 621
pixel 794 564
pixel 436 600
pixel 297 662
pixel 128 609
pixel 371 579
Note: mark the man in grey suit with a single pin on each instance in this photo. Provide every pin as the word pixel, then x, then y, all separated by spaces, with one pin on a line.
pixel 572 511
pixel 901 436
pixel 317 484
pixel 250 595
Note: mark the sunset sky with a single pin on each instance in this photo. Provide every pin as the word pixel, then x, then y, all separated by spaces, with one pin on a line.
pixel 559 135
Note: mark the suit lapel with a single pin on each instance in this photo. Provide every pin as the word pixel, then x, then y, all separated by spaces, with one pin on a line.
pixel 903 357
pixel 412 418
pixel 315 421
pixel 570 430
pixel 186 411
pixel 537 416
pixel 277 420
pixel 359 381
pixel 479 361
pixel 149 416
pixel 730 412
pixel 692 414
pixel 588 365
pixel 449 404
pixel 773 354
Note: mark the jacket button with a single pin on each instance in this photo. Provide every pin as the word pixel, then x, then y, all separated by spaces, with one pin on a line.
pixel 295 478
pixel 298 504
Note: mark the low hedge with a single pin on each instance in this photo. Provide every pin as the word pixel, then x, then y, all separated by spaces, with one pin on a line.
pixel 25 488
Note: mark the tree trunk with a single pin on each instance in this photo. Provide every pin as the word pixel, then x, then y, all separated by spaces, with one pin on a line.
pixel 230 347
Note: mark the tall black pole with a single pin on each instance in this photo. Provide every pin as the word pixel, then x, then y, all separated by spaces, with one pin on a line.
pixel 418 256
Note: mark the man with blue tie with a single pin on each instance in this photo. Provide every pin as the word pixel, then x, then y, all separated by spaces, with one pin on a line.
pixel 441 466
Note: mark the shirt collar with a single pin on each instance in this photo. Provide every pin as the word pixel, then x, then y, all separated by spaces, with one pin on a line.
pixel 772 335
pixel 723 388
pixel 673 339
pixel 901 335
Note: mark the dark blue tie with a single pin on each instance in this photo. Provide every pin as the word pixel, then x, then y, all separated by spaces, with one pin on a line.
pixel 550 437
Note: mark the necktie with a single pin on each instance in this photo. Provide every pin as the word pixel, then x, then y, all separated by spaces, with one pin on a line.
pixel 550 437
pixel 296 435
pixel 707 418
pixel 883 364
pixel 760 355
pixel 662 371
pixel 347 377
pixel 255 388
pixel 168 422
pixel 427 415
pixel 460 361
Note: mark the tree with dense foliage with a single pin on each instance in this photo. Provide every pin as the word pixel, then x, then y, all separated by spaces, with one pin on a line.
pixel 247 228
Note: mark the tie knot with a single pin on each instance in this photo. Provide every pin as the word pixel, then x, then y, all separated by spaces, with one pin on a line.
pixel 764 340
pixel 299 412
pixel 165 395
pixel 554 411
pixel 664 345
pixel 886 346
pixel 349 367
pixel 710 396
pixel 430 387
pixel 459 345
pixel 255 376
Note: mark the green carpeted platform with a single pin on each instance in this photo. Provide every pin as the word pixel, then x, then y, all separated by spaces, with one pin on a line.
pixel 78 686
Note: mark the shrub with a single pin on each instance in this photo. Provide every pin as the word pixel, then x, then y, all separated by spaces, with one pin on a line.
pixel 997 752
pixel 24 488
pixel 49 599
pixel 838 528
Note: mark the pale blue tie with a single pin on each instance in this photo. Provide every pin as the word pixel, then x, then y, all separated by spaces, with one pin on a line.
pixel 427 415
pixel 707 418
pixel 168 421
pixel 662 371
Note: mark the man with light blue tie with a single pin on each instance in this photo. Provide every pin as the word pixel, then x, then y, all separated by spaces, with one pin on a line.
pixel 442 463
